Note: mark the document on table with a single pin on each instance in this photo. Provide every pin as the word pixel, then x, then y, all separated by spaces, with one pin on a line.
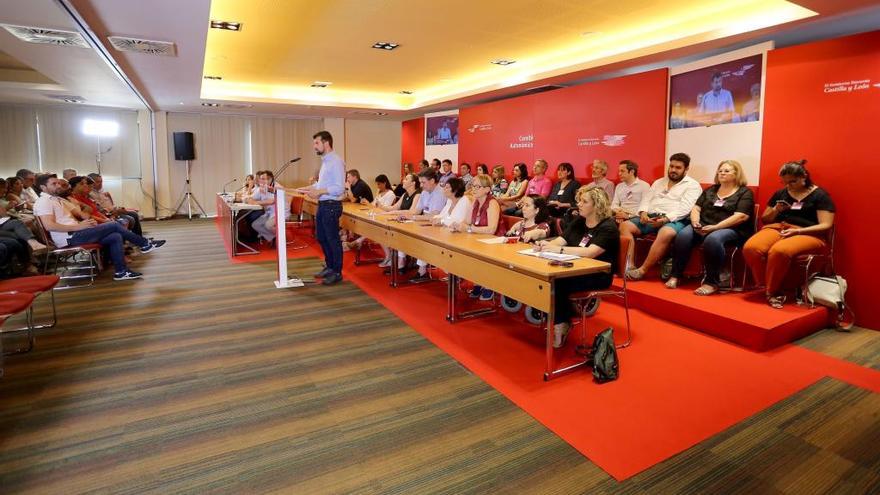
pixel 494 240
pixel 549 256
pixel 3 220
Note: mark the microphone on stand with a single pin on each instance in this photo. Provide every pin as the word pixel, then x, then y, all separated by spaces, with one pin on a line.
pixel 283 168
pixel 230 182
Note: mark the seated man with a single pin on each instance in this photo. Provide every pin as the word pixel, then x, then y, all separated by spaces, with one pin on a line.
pixel 103 199
pixel 28 192
pixel 432 200
pixel 629 193
pixel 664 211
pixel 69 226
pixel 263 222
pixel 598 171
pixel 356 189
pixel 68 173
pixel 446 171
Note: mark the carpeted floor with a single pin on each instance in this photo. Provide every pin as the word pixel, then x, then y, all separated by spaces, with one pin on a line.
pixel 203 377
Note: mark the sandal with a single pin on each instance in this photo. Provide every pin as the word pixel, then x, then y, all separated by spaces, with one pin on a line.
pixel 776 301
pixel 706 290
pixel 634 274
pixel 672 283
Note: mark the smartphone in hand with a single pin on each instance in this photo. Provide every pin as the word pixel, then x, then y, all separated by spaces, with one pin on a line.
pixel 565 264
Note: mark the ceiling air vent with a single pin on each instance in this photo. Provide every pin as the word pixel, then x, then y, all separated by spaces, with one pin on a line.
pixel 46 36
pixel 68 98
pixel 124 44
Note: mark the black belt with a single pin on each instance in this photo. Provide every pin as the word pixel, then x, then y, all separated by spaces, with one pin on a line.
pixel 329 201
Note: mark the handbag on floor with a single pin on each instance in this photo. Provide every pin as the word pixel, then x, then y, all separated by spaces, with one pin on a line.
pixel 829 291
pixel 605 365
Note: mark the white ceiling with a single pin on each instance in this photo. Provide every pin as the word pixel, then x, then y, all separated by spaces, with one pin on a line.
pixel 165 82
pixel 75 71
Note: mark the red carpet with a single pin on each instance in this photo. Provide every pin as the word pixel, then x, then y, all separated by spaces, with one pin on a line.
pixel 677 386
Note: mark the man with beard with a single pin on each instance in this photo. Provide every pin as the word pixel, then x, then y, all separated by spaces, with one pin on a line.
pixel 664 210
pixel 329 191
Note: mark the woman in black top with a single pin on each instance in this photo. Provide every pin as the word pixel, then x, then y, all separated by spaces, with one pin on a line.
pixel 562 195
pixel 720 217
pixel 796 222
pixel 409 199
pixel 593 234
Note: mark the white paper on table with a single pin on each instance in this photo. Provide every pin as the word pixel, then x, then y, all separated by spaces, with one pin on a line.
pixel 549 256
pixel 3 220
pixel 494 240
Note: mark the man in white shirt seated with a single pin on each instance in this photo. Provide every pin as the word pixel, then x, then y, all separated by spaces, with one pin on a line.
pixel 665 210
pixel 70 226
pixel 629 193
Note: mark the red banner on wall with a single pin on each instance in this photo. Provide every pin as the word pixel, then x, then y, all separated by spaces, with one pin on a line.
pixel 614 119
pixel 822 103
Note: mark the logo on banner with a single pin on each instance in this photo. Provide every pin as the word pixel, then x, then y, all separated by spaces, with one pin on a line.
pixel 848 86
pixel 526 141
pixel 612 140
pixel 479 127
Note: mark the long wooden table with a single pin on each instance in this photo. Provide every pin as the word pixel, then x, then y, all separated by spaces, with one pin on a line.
pixel 495 266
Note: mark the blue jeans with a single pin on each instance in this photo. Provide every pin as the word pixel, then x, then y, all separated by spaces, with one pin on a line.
pixel 110 235
pixel 713 251
pixel 327 226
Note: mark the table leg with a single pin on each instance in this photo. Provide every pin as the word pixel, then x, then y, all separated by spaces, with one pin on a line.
pixel 394 268
pixel 235 252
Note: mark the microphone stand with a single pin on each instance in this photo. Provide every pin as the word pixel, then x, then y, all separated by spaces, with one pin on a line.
pixel 230 182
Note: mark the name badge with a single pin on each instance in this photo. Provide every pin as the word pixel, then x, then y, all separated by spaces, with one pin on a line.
pixel 797 205
pixel 585 241
pixel 560 193
pixel 719 203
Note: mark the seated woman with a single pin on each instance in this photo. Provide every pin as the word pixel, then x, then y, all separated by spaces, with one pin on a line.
pixel 15 196
pixel 533 227
pixel 484 218
pixel 407 204
pixel 384 197
pixel 796 222
pixel 516 189
pixel 592 234
pixel 456 210
pixel 719 218
pixel 247 190
pixel 499 186
pixel 562 195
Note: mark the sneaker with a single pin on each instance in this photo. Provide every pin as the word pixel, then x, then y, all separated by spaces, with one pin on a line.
pixel 420 277
pixel 323 273
pixel 560 334
pixel 126 275
pixel 475 292
pixel 486 295
pixel 152 246
pixel 385 263
pixel 331 279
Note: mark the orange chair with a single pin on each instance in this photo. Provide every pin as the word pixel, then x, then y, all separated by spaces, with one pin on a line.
pixel 68 256
pixel 11 304
pixel 587 301
pixel 36 285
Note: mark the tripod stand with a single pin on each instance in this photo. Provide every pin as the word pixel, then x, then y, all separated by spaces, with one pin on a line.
pixel 188 198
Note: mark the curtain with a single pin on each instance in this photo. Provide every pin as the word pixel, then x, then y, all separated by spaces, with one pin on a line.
pixel 64 145
pixel 18 140
pixel 275 141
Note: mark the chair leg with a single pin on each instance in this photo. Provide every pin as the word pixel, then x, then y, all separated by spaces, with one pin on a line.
pixel 29 328
pixel 54 319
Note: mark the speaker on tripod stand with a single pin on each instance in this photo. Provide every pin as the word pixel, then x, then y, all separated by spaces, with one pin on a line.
pixel 184 150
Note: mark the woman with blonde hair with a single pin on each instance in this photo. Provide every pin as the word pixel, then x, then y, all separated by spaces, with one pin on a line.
pixel 718 219
pixel 592 234
pixel 500 183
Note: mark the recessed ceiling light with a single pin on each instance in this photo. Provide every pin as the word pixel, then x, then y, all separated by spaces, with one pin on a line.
pixel 209 104
pixel 406 92
pixel 213 78
pixel 385 45
pixel 502 61
pixel 68 98
pixel 227 25
pixel 589 33
pixel 321 84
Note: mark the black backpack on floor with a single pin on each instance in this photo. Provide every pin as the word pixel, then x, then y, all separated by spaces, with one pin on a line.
pixel 605 365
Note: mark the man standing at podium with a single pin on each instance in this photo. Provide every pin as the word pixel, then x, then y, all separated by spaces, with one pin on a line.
pixel 329 191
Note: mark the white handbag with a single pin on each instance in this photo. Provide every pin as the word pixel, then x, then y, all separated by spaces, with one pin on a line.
pixel 830 292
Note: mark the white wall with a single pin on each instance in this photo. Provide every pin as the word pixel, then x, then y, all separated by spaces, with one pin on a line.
pixel 373 147
pixel 708 146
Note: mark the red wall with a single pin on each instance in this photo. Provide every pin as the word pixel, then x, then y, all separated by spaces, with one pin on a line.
pixel 614 119
pixel 838 133
pixel 412 139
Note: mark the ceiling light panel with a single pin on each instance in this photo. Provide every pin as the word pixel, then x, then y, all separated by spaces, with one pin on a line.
pixel 226 25
pixel 502 61
pixel 385 45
